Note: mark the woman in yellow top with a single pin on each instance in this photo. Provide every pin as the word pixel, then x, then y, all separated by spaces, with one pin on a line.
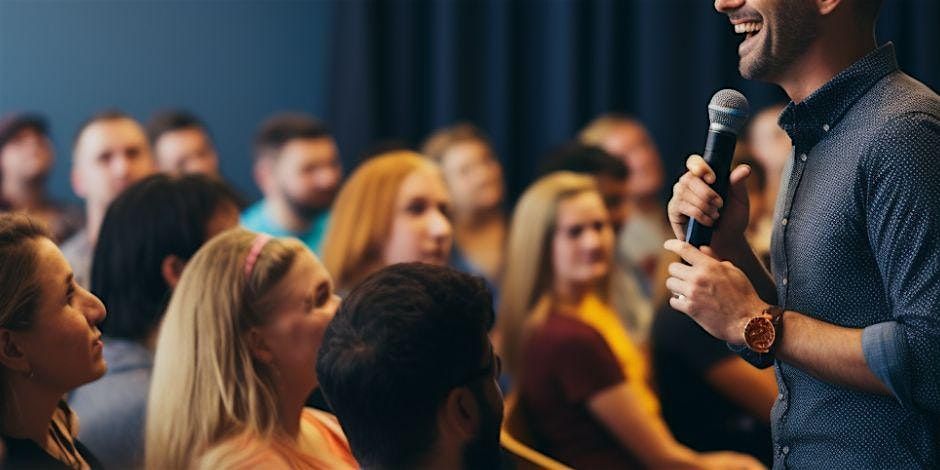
pixel 582 383
pixel 236 360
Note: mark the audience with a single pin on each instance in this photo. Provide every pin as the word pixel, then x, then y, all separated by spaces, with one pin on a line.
pixel 770 147
pixel 110 153
pixel 148 234
pixel 410 372
pixel 646 230
pixel 556 320
pixel 232 371
pixel 181 144
pixel 610 175
pixel 394 208
pixel 26 159
pixel 711 398
pixel 475 179
pixel 49 344
pixel 298 169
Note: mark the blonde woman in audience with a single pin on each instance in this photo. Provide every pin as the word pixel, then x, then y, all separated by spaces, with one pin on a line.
pixel 49 345
pixel 236 359
pixel 395 208
pixel 582 382
pixel 475 179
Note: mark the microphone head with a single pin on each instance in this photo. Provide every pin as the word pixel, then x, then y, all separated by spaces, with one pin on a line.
pixel 728 111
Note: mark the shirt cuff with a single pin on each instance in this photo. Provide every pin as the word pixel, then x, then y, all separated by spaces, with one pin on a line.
pixel 886 354
pixel 761 361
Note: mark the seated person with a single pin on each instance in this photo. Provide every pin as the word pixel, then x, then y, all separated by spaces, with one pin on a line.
pixel 26 161
pixel 181 144
pixel 298 169
pixel 580 378
pixel 49 345
pixel 475 179
pixel 236 358
pixel 712 399
pixel 626 279
pixel 148 234
pixel 410 372
pixel 110 153
pixel 394 208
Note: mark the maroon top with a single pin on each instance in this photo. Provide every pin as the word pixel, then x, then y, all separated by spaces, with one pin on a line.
pixel 566 362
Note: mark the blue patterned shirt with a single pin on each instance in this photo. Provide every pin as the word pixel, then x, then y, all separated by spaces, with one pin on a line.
pixel 856 243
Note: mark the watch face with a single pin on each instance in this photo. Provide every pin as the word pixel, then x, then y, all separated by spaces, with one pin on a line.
pixel 759 334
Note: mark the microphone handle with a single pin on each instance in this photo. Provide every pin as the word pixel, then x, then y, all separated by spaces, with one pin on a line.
pixel 719 150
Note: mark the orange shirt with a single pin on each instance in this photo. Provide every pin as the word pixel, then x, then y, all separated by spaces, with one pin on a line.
pixel 320 444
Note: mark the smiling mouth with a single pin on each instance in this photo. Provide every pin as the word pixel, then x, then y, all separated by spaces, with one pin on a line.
pixel 749 28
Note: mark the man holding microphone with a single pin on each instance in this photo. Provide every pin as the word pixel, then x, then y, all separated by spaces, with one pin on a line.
pixel 850 315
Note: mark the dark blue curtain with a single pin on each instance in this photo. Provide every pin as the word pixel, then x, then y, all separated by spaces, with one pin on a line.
pixel 533 72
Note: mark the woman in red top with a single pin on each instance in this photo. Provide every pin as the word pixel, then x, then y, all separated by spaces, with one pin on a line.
pixel 581 381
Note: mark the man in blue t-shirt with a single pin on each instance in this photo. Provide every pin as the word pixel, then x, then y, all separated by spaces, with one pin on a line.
pixel 298 169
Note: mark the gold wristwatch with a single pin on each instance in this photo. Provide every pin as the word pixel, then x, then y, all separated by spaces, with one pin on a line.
pixel 762 333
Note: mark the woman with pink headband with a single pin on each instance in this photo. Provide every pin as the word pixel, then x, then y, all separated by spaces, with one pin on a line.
pixel 236 360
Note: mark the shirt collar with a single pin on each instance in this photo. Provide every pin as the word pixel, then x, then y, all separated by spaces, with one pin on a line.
pixel 809 121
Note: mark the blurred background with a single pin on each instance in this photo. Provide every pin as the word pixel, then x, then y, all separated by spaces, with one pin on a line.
pixel 529 72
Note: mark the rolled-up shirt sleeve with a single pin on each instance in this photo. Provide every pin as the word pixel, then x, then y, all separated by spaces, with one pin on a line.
pixel 902 188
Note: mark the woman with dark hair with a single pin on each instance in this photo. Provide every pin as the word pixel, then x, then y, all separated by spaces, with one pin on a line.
pixel 148 234
pixel 49 344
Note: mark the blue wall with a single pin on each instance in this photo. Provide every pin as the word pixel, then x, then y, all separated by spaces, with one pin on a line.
pixel 231 62
pixel 531 72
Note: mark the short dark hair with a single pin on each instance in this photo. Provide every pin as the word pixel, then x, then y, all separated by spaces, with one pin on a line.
pixel 401 340
pixel 156 217
pixel 14 123
pixel 584 159
pixel 278 130
pixel 172 120
pixel 110 114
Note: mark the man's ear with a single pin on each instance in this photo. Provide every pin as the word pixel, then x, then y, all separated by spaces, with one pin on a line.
pixel 825 7
pixel 259 346
pixel 11 355
pixel 263 172
pixel 171 268
pixel 461 413
pixel 78 185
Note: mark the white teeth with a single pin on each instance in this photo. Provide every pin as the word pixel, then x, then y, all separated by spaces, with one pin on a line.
pixel 751 27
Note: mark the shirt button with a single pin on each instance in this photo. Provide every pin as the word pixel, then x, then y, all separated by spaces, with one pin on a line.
pixel 826 127
pixel 785 281
pixel 784 221
pixel 803 157
pixel 786 450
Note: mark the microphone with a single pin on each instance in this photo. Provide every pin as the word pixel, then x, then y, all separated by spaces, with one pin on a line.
pixel 727 113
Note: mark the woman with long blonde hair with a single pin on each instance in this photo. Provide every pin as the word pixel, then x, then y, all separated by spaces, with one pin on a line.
pixel 581 381
pixel 236 359
pixel 395 208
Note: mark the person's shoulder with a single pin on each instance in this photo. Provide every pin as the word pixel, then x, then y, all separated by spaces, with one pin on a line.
pixel 901 96
pixel 322 420
pixel 253 215
pixel 243 451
